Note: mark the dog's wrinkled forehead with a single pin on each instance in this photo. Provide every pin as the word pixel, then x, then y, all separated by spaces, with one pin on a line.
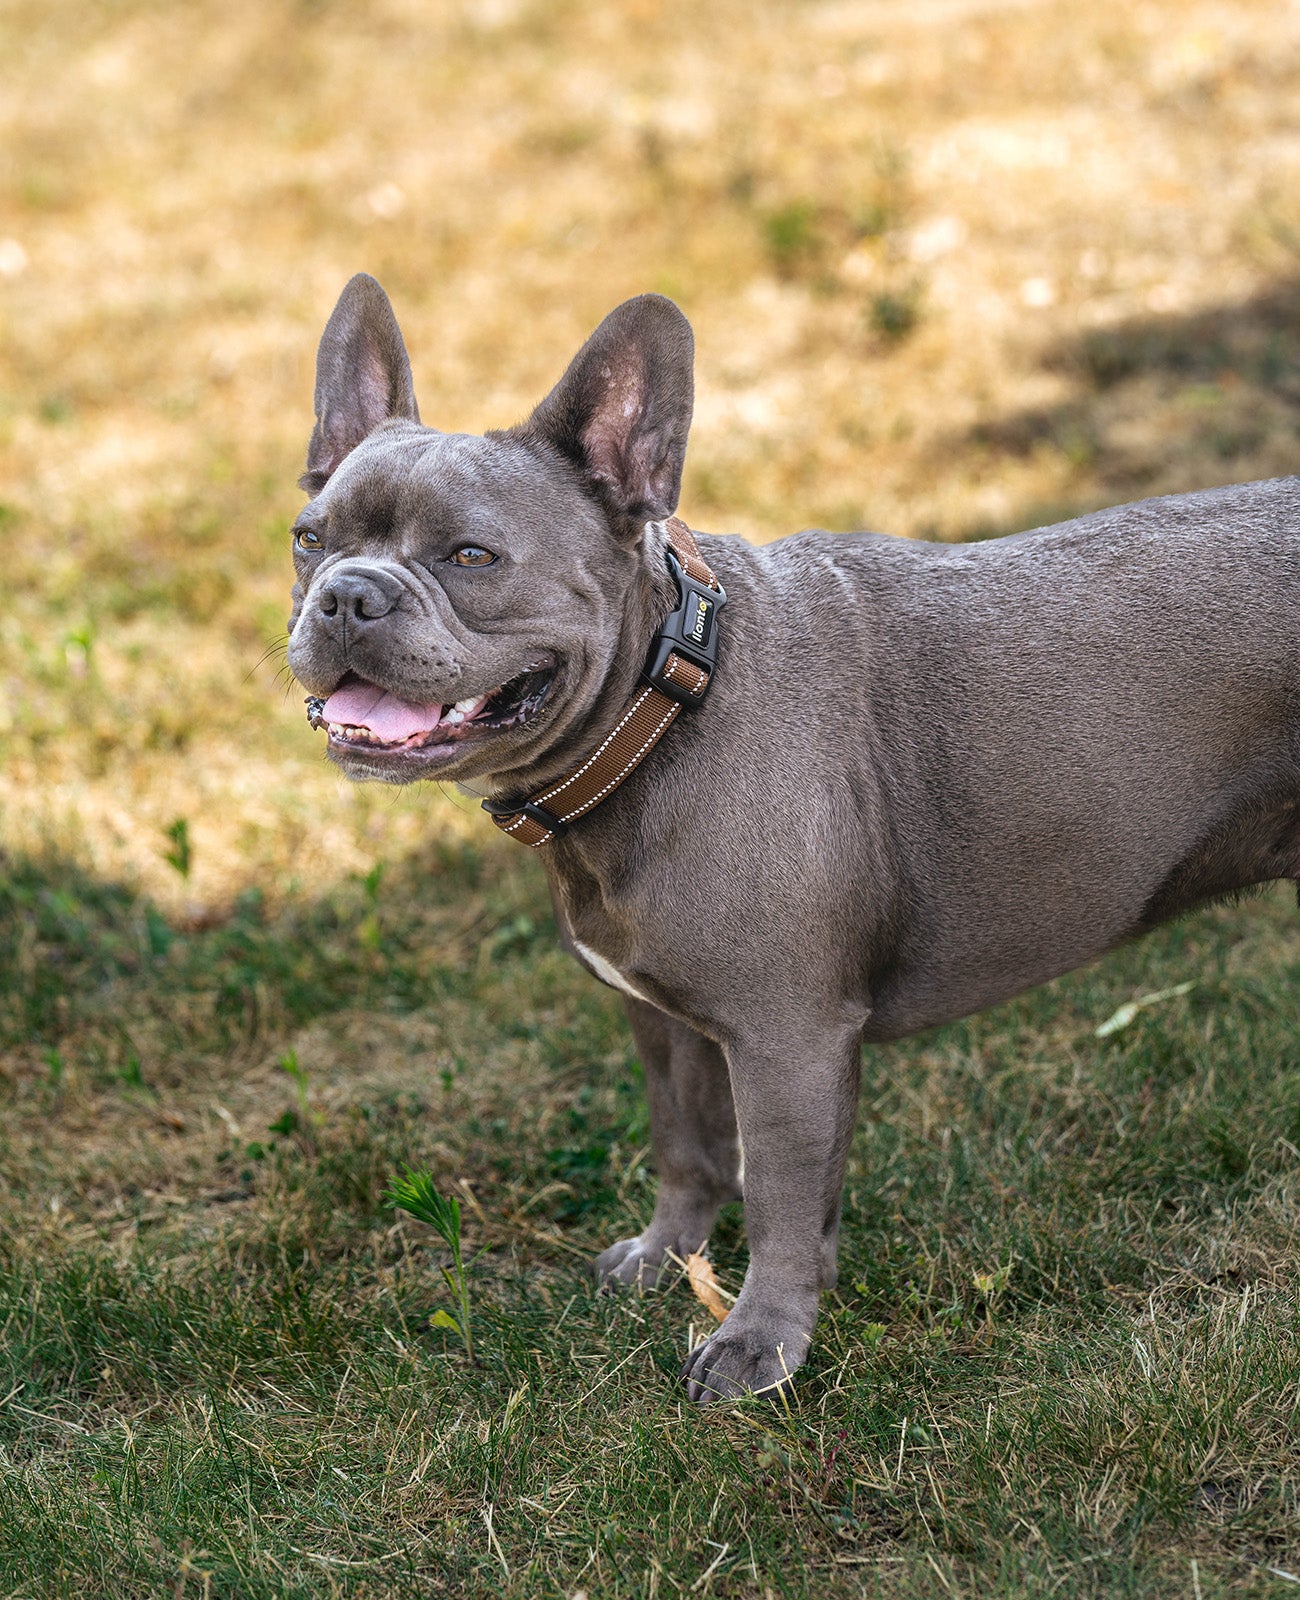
pixel 407 485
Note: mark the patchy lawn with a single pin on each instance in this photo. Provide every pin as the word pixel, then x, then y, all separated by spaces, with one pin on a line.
pixel 955 267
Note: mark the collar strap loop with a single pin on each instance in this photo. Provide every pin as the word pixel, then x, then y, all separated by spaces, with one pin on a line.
pixel 681 663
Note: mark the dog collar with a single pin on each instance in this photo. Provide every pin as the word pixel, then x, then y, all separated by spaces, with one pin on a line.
pixel 682 659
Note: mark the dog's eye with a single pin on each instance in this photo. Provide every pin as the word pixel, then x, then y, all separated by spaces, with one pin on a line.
pixel 307 539
pixel 473 555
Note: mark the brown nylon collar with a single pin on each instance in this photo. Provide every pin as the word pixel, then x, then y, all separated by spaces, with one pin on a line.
pixel 674 679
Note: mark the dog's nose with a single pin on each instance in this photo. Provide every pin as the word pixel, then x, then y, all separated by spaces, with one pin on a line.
pixel 360 595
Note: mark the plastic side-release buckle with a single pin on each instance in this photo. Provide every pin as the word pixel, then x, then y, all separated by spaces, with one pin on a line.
pixel 535 813
pixel 691 632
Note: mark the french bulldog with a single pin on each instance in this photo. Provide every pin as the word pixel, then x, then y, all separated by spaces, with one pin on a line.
pixel 924 777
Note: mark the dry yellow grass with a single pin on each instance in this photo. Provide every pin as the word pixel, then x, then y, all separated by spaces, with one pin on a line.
pixel 186 187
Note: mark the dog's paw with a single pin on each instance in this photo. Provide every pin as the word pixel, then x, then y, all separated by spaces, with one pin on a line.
pixel 634 1263
pixel 749 1354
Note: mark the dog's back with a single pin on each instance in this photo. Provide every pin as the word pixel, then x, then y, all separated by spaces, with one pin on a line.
pixel 1081 731
pixel 1071 733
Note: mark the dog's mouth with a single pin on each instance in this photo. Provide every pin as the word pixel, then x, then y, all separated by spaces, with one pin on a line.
pixel 362 716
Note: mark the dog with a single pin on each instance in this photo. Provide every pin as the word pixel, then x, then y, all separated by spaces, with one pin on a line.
pixel 923 777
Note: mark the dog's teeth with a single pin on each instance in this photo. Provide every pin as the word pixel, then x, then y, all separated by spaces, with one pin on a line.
pixel 455 715
pixel 467 708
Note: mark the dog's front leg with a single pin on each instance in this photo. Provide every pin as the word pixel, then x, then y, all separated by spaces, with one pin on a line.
pixel 697 1153
pixel 795 1102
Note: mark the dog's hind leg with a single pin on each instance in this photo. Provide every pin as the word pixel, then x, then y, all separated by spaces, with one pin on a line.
pixel 696 1148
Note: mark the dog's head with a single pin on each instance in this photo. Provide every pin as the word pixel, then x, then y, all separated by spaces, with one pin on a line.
pixel 462 602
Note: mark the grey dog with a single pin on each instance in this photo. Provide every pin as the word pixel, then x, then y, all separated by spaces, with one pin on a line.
pixel 925 777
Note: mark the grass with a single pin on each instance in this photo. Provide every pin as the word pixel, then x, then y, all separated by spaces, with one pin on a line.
pixel 416 1194
pixel 1062 1352
pixel 954 268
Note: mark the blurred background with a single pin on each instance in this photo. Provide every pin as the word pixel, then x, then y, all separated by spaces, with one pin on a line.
pixel 955 267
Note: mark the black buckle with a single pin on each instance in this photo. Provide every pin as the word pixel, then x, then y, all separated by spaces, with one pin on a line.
pixel 690 632
pixel 535 813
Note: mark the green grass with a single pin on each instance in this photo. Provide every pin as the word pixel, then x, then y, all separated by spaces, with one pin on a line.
pixel 1062 1357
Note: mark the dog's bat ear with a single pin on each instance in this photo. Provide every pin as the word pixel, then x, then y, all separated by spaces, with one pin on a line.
pixel 622 411
pixel 363 377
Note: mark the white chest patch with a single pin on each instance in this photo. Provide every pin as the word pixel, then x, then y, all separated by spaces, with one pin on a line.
pixel 606 972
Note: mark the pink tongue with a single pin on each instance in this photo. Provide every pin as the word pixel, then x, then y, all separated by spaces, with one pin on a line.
pixel 362 705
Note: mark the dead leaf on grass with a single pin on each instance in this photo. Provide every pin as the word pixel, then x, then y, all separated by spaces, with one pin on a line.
pixel 1129 1010
pixel 705 1286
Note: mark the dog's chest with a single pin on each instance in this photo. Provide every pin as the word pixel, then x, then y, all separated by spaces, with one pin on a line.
pixel 605 970
pixel 578 909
